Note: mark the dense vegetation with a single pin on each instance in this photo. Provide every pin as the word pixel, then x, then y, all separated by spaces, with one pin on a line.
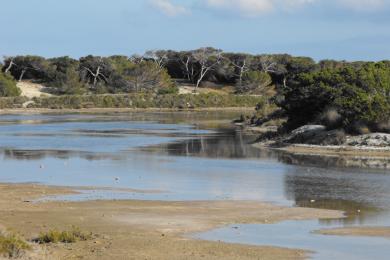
pixel 351 96
pixel 136 100
pixel 335 93
pixel 8 86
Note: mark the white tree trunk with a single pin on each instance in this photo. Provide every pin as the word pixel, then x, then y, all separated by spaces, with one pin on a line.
pixel 9 67
pixel 22 74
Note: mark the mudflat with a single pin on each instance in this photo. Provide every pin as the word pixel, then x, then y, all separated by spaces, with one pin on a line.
pixel 358 231
pixel 142 229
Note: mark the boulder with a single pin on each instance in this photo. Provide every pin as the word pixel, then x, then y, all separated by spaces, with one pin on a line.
pixel 372 140
pixel 316 135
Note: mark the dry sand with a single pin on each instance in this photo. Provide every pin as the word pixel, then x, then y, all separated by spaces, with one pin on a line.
pixel 32 90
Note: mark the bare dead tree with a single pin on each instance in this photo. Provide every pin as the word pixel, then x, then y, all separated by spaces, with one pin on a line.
pixel 144 77
pixel 137 59
pixel 242 64
pixel 97 74
pixel 158 56
pixel 189 69
pixel 207 59
pixel 10 65
pixel 267 63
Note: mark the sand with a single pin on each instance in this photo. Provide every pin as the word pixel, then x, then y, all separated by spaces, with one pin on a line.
pixel 142 229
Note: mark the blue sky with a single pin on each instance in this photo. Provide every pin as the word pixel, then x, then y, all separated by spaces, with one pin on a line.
pixel 338 29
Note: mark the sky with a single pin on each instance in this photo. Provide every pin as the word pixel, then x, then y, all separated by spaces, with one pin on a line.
pixel 322 29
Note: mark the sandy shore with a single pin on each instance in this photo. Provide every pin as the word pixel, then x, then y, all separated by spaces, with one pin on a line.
pixel 142 229
pixel 358 231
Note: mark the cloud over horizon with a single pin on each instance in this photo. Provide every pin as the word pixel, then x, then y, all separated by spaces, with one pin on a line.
pixel 255 8
pixel 169 8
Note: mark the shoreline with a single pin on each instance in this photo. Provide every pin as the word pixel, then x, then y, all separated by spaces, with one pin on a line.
pixel 117 110
pixel 156 229
pixel 336 150
pixel 381 232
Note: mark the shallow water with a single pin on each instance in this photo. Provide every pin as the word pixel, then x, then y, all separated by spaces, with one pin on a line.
pixel 189 156
pixel 298 234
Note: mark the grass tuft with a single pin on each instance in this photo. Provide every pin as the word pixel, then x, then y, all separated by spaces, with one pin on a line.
pixel 55 236
pixel 12 246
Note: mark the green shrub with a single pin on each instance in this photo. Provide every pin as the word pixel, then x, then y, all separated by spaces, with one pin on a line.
pixel 358 94
pixel 8 86
pixel 145 100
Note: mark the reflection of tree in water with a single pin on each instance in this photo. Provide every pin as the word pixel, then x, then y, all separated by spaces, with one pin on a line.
pixel 59 154
pixel 227 144
pixel 324 189
pixel 334 161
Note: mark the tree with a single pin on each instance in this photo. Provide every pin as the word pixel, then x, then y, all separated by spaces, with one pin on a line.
pixel 8 86
pixel 359 94
pixel 241 64
pixel 267 63
pixel 145 76
pixel 160 57
pixel 187 63
pixel 254 81
pixel 95 69
pixel 65 76
pixel 207 59
pixel 30 67
pixel 10 62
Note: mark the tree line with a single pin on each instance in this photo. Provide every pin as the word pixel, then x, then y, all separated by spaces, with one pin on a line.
pixel 336 93
pixel 153 70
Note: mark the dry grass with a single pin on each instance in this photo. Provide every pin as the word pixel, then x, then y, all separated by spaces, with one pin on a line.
pixel 12 246
pixel 55 236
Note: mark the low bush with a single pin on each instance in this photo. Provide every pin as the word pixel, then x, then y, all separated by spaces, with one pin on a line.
pixel 55 236
pixel 8 86
pixel 137 100
pixel 12 246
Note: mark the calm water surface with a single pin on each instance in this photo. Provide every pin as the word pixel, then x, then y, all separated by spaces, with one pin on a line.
pixel 197 156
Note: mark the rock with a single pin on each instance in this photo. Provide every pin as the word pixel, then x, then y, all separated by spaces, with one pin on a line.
pixel 373 140
pixel 308 128
pixel 316 135
pixel 28 104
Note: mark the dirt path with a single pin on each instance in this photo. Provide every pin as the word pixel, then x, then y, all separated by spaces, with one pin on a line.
pixel 143 229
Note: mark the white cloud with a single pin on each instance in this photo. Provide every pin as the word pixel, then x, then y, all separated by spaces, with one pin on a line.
pixel 255 7
pixel 364 5
pixel 168 8
pixel 246 7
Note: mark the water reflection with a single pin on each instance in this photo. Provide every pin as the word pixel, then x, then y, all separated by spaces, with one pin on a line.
pixel 340 161
pixel 228 143
pixel 193 155
pixel 15 154
pixel 298 234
